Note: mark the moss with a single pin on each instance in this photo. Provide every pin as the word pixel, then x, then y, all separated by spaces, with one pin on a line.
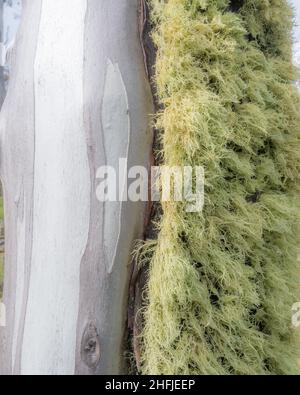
pixel 220 297
pixel 1 209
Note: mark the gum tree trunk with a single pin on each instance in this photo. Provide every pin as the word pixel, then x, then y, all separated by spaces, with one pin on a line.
pixel 78 99
pixel 2 86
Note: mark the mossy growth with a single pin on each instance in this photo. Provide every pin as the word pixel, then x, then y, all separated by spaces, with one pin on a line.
pixel 222 282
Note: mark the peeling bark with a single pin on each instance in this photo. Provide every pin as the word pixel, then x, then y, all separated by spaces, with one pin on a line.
pixel 78 99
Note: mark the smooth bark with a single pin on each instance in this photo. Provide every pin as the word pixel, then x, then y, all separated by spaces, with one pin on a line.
pixel 78 99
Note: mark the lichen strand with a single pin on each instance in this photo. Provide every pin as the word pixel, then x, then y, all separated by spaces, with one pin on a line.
pixel 222 282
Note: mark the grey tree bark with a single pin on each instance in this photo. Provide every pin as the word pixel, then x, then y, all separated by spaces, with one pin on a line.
pixel 2 83
pixel 78 99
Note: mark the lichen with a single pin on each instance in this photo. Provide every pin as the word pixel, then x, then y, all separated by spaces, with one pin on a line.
pixel 222 282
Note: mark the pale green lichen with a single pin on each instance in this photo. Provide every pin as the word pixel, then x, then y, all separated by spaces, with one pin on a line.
pixel 222 282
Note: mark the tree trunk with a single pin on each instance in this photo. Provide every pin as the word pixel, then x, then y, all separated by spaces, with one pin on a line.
pixel 2 83
pixel 78 99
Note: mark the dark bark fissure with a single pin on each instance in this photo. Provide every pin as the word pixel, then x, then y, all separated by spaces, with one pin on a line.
pixel 236 5
pixel 139 275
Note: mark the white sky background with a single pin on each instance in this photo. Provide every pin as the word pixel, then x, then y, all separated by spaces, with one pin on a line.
pixel 11 16
pixel 296 5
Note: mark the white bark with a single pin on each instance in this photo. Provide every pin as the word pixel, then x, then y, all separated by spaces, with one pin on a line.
pixel 78 99
pixel 2 84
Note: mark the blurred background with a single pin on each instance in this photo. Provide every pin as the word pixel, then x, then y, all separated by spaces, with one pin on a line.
pixel 10 14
